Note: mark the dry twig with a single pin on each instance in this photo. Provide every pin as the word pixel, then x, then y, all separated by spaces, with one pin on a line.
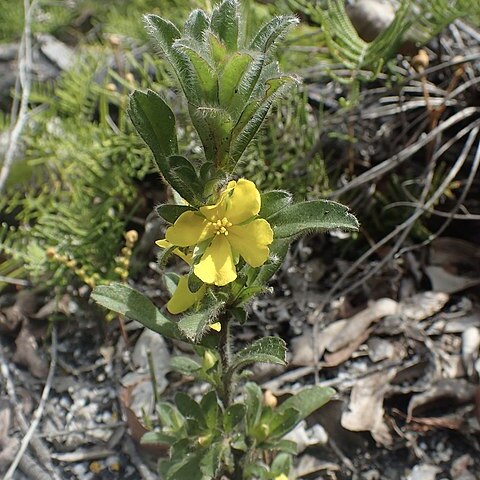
pixel 25 83
pixel 37 415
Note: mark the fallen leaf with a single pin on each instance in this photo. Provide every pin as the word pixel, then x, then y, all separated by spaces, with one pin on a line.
pixel 460 466
pixel 454 253
pixel 305 437
pixel 381 349
pixel 152 344
pixel 359 323
pixel 449 390
pixel 423 305
pixel 340 356
pixel 27 352
pixel 443 281
pixel 302 346
pixel 365 409
pixel 137 429
pixel 470 350
pixel 309 465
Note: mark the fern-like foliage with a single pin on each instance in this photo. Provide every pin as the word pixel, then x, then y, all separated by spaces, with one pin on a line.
pixel 364 59
pixel 432 16
pixel 76 188
pixel 416 21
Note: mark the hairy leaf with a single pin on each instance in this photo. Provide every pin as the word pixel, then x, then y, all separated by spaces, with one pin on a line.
pixel 267 349
pixel 224 23
pixel 129 302
pixel 319 215
pixel 307 400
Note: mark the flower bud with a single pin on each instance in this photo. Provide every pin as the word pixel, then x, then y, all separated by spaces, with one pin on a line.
pixel 420 61
pixel 114 40
pixel 269 399
pixel 204 440
pixel 131 237
pixel 209 360
pixel 130 78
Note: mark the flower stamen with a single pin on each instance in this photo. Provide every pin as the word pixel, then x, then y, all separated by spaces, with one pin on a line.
pixel 221 226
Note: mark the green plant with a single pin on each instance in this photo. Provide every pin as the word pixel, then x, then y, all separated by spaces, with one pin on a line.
pixel 362 61
pixel 233 240
pixel 77 183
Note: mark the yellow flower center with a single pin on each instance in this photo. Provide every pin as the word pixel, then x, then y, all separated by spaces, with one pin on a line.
pixel 221 226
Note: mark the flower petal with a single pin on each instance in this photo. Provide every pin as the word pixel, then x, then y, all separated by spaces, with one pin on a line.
pixel 217 211
pixel 251 240
pixel 243 203
pixel 189 229
pixel 217 326
pixel 216 265
pixel 183 298
pixel 165 244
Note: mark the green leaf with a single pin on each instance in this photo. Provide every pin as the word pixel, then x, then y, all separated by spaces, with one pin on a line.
pixel 185 365
pixel 187 468
pixel 155 438
pixel 217 48
pixel 230 77
pixel 273 202
pixel 163 256
pixel 282 422
pixel 282 463
pixel 267 349
pixel 171 279
pixel 155 122
pixel 196 25
pixel 182 176
pixel 241 101
pixel 224 23
pixel 233 416
pixel 207 76
pixel 305 217
pixel 254 114
pixel 308 400
pixel 271 32
pixel 194 325
pixel 165 33
pixel 210 409
pixel 170 418
pixel 253 405
pixel 194 283
pixel 210 462
pixel 247 293
pixel 170 212
pixel 190 409
pixel 129 302
pixel 214 127
pixel 286 446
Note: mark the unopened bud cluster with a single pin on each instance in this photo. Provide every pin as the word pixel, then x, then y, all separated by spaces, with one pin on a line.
pixel 90 279
pixel 123 260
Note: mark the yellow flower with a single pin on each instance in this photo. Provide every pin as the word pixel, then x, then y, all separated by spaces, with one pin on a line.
pixel 281 477
pixel 182 299
pixel 229 229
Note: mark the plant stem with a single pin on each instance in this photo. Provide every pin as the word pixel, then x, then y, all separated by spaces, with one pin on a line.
pixel 226 357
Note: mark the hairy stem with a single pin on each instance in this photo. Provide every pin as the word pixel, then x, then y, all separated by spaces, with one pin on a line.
pixel 226 358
